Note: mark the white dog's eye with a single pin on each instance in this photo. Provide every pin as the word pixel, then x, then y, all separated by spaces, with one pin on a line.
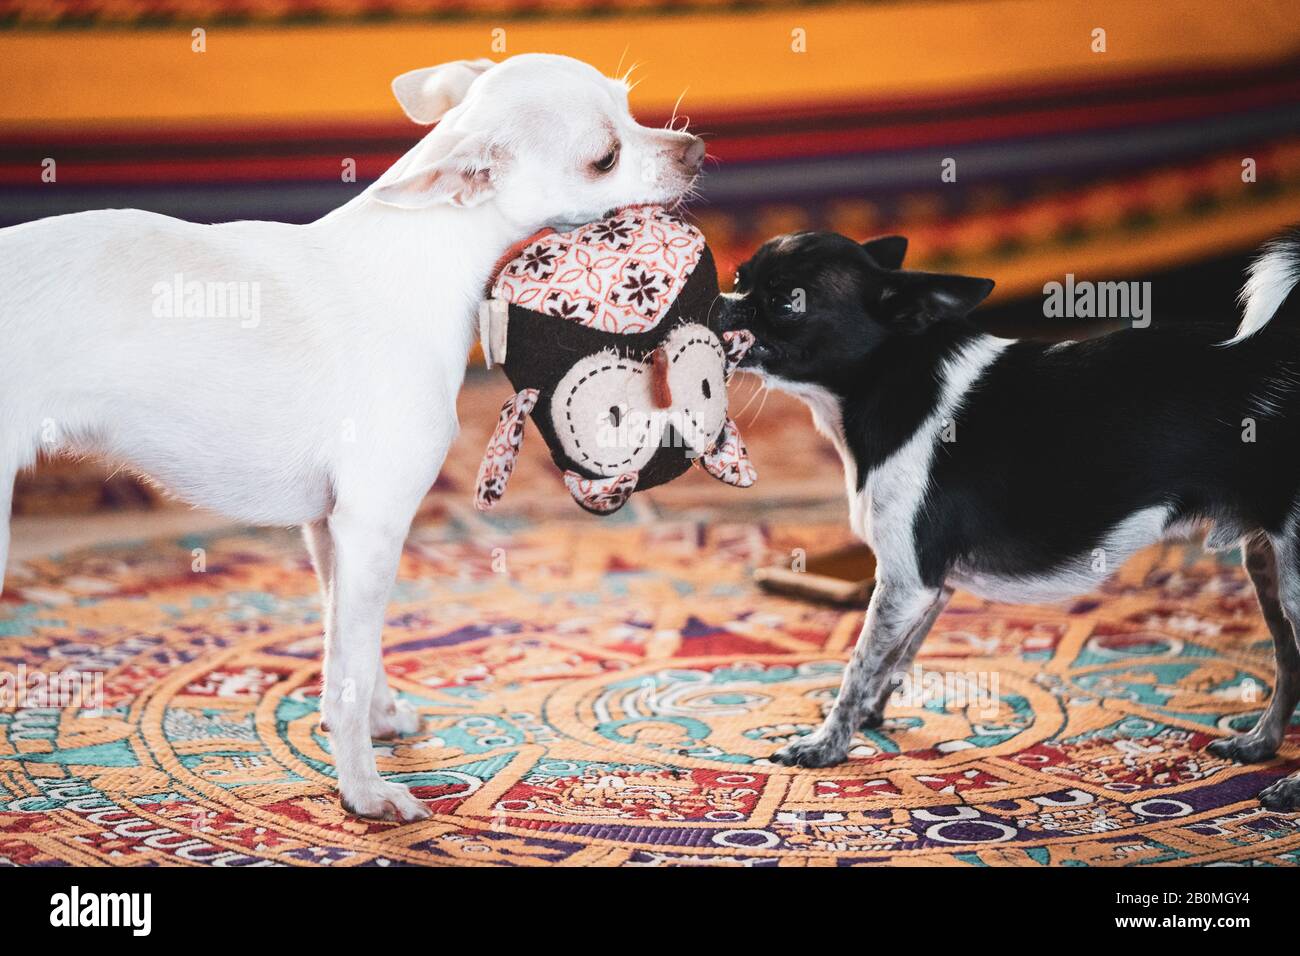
pixel 608 161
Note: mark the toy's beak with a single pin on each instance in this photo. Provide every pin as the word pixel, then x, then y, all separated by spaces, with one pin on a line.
pixel 660 393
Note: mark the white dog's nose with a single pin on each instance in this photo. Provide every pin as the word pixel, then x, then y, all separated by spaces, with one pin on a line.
pixel 692 155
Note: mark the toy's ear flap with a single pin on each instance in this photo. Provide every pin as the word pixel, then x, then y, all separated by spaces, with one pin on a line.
pixel 887 251
pixel 601 496
pixel 503 449
pixel 737 342
pixel 727 460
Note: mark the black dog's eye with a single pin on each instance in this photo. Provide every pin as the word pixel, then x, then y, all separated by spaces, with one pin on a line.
pixel 704 387
pixel 615 416
pixel 781 303
pixel 608 161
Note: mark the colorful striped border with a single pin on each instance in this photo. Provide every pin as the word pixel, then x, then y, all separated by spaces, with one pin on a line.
pixel 727 61
pixel 64 15
pixel 1126 159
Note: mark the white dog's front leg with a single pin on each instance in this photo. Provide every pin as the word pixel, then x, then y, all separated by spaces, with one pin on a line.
pixel 366 551
pixel 389 716
pixel 6 507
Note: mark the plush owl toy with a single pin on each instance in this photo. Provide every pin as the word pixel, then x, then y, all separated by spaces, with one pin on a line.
pixel 603 332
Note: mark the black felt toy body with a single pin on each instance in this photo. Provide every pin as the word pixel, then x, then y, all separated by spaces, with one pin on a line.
pixel 604 334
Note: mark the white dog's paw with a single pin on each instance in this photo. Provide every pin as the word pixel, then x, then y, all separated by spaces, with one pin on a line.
pixel 382 800
pixel 398 720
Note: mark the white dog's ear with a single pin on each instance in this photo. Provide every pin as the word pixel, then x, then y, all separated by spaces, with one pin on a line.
pixel 461 177
pixel 427 94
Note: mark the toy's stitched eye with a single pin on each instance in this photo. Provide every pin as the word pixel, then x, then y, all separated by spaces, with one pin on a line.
pixel 615 415
pixel 608 161
pixel 704 387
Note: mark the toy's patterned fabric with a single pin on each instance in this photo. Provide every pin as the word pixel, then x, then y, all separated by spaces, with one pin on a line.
pixel 737 343
pixel 503 449
pixel 618 275
pixel 600 495
pixel 728 460
pixel 604 692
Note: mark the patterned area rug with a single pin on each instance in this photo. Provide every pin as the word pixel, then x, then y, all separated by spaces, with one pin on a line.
pixel 605 692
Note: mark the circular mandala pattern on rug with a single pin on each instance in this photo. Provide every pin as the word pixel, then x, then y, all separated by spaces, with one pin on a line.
pixel 613 698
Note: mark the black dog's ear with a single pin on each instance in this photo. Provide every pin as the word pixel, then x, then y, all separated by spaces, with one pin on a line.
pixel 886 251
pixel 911 301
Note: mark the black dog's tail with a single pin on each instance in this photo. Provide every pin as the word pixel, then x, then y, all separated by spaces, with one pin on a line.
pixel 1269 281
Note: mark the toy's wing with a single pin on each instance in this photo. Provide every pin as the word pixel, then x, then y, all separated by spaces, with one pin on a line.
pixel 728 460
pixel 503 449
pixel 738 342
pixel 601 496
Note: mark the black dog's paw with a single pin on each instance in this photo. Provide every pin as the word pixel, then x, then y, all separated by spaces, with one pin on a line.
pixel 1243 748
pixel 871 721
pixel 1283 795
pixel 811 751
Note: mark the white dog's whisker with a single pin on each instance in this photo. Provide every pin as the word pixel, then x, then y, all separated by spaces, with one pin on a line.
pixel 673 119
pixel 621 57
pixel 626 78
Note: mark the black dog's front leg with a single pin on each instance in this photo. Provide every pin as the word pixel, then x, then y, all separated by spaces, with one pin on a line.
pixel 883 684
pixel 898 619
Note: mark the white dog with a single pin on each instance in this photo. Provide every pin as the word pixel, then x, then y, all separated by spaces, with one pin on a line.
pixel 308 375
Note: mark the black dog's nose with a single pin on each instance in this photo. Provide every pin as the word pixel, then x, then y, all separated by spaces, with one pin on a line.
pixel 692 155
pixel 724 316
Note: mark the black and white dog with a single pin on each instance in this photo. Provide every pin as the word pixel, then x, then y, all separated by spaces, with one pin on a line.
pixel 1024 471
